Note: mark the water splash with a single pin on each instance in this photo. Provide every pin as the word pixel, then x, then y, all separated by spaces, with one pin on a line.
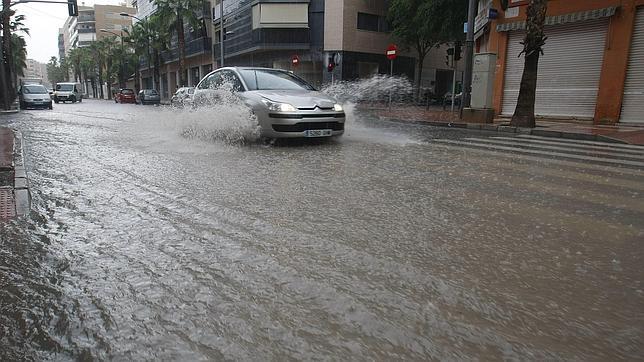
pixel 378 88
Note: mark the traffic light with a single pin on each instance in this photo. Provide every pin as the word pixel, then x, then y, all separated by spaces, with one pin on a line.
pixel 331 65
pixel 457 51
pixel 449 57
pixel 72 7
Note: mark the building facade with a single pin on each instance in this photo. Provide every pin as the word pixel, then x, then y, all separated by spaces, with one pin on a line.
pixel 36 70
pixel 81 31
pixel 198 50
pixel 593 62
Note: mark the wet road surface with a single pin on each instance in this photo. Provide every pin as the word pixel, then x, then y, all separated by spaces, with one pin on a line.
pixel 150 242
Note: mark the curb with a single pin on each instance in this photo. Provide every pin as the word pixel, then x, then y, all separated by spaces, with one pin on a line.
pixel 511 129
pixel 21 189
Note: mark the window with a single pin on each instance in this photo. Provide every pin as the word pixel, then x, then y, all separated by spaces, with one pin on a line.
pixel 372 22
pixel 230 77
pixel 212 81
pixel 263 79
pixel 368 22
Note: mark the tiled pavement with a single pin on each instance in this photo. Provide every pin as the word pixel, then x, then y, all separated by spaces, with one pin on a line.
pixel 629 134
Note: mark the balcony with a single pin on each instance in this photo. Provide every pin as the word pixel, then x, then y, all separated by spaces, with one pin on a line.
pixel 193 47
pixel 266 38
pixel 81 31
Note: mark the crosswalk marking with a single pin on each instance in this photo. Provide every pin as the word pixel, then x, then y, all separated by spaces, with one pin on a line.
pixel 604 147
pixel 556 147
pixel 599 143
pixel 538 152
pixel 551 161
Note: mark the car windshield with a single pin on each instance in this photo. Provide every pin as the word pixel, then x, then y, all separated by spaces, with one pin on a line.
pixel 65 87
pixel 150 92
pixel 127 91
pixel 267 79
pixel 34 89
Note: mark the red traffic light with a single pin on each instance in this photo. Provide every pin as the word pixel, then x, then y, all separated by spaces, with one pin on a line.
pixel 295 60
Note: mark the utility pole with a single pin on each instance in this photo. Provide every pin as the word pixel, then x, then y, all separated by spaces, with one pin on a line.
pixel 221 32
pixel 7 76
pixel 469 55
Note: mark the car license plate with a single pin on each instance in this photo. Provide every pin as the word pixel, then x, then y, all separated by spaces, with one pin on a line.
pixel 317 133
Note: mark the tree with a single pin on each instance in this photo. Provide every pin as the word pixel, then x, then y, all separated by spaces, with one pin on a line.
pixel 57 72
pixel 175 13
pixel 425 24
pixel 159 35
pixel 13 59
pixel 533 44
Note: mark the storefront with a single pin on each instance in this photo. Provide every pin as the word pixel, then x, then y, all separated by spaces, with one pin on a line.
pixel 593 62
pixel 633 101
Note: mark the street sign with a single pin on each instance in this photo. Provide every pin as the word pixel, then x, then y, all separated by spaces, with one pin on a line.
pixel 392 52
pixel 295 60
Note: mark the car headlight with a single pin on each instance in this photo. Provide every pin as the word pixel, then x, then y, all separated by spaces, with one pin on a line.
pixel 338 108
pixel 279 107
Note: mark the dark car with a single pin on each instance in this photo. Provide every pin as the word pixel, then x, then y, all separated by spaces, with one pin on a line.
pixel 149 96
pixel 34 96
pixel 125 95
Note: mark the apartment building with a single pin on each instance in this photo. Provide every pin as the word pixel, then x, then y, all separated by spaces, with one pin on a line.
pixel 593 62
pixel 36 70
pixel 198 51
pixel 81 31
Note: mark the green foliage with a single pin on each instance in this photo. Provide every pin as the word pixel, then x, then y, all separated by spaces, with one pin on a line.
pixel 424 24
pixel 57 72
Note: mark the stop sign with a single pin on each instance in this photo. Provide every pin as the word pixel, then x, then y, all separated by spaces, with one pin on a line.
pixel 392 51
pixel 295 60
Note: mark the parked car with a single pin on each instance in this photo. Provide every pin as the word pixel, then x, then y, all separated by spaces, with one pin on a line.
pixel 182 97
pixel 125 95
pixel 68 92
pixel 149 96
pixel 286 106
pixel 34 96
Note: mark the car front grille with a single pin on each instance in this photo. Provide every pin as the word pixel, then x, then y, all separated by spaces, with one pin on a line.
pixel 303 126
pixel 306 115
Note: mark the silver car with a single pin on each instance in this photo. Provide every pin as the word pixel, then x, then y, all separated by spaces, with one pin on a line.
pixel 149 96
pixel 34 96
pixel 182 97
pixel 286 106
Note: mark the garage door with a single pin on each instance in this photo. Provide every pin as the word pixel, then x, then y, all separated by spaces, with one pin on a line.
pixel 569 70
pixel 633 103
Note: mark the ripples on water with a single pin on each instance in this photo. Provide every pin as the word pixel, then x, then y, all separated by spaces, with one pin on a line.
pixel 161 238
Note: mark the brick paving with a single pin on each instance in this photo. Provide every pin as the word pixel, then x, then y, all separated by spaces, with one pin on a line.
pixel 436 116
pixel 6 148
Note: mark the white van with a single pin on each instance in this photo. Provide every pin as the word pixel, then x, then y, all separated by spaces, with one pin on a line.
pixel 68 92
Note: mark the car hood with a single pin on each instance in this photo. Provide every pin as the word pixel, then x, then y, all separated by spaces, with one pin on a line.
pixel 36 96
pixel 299 98
pixel 63 93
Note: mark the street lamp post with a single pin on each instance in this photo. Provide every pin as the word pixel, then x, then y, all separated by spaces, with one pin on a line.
pixel 221 32
pixel 121 78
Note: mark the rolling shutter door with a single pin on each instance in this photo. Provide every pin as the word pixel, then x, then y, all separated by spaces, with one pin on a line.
pixel 569 70
pixel 633 103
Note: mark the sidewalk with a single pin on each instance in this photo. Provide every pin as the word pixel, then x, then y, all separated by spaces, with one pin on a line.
pixel 14 186
pixel 571 129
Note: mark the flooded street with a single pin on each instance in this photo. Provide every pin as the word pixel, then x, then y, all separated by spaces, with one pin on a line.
pixel 156 235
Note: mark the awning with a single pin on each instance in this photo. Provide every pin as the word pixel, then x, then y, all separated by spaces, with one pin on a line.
pixel 563 19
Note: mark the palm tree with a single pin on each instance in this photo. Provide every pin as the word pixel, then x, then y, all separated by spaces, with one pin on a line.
pixel 175 13
pixel 158 35
pixel 18 48
pixel 74 59
pixel 18 57
pixel 533 44
pixel 138 39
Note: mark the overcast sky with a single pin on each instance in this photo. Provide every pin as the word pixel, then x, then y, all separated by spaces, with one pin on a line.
pixel 43 21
